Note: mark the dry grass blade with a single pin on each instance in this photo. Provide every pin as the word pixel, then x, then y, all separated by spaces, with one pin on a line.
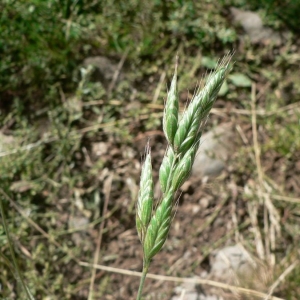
pixel 270 213
pixel 281 278
pixel 237 289
pixel 107 189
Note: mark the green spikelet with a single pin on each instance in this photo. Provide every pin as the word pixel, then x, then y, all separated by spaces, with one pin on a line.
pixel 165 169
pixel 197 111
pixel 158 228
pixel 184 167
pixel 211 89
pixel 170 118
pixel 145 198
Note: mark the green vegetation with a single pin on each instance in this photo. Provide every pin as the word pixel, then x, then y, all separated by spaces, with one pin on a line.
pixel 65 130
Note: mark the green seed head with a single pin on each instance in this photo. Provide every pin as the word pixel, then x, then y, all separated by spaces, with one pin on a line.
pixel 198 111
pixel 184 167
pixel 184 139
pixel 170 118
pixel 165 169
pixel 145 198
pixel 206 98
pixel 188 130
pixel 159 227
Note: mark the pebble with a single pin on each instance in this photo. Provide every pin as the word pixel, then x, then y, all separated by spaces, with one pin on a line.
pixel 254 28
pixel 215 149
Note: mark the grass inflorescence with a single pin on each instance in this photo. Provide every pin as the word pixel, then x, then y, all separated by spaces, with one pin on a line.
pixel 183 136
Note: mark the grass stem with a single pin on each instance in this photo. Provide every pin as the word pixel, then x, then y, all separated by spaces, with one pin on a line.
pixel 18 275
pixel 142 281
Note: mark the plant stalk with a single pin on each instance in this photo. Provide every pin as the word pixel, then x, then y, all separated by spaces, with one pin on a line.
pixel 19 276
pixel 142 281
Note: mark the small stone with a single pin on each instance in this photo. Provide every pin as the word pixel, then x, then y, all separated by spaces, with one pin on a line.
pixel 185 187
pixel 99 149
pixel 253 26
pixel 7 142
pixel 104 69
pixel 204 202
pixel 232 261
pixel 215 149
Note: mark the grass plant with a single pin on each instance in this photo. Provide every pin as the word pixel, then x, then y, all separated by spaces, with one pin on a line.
pixel 183 136
pixel 14 266
pixel 53 125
